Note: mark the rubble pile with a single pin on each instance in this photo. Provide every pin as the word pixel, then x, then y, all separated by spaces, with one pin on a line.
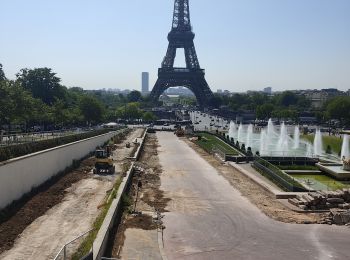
pixel 337 217
pixel 323 200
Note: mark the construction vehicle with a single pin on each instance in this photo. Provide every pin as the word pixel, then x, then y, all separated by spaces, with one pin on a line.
pixel 104 163
pixel 179 132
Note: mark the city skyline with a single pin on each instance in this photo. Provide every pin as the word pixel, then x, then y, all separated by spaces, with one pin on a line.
pixel 246 45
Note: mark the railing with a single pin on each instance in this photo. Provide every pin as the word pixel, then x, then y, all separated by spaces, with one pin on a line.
pixel 21 138
pixel 278 175
pixel 69 248
pixel 218 151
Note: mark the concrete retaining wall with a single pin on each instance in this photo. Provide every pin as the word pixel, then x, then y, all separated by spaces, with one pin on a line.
pixel 20 175
pixel 100 243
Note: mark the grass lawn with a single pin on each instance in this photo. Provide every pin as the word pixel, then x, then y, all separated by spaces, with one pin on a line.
pixel 208 142
pixel 333 141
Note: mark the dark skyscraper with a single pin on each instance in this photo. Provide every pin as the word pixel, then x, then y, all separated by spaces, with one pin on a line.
pixel 145 83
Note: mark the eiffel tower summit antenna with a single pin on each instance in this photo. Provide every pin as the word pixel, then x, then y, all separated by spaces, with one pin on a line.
pixel 192 77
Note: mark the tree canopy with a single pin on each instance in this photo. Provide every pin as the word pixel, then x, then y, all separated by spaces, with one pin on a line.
pixel 91 109
pixel 134 96
pixel 42 83
pixel 339 108
pixel 2 74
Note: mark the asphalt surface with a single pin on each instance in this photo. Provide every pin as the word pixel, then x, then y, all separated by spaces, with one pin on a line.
pixel 209 219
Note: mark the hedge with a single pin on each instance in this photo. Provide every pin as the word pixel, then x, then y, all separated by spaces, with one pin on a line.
pixel 14 151
pixel 287 178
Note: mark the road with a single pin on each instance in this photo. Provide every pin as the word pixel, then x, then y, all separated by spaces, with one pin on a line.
pixel 209 219
pixel 206 122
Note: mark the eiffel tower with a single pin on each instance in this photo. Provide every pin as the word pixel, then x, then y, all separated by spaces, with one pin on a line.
pixel 191 77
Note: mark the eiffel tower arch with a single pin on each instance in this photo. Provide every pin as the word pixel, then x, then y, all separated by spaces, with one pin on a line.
pixel 191 77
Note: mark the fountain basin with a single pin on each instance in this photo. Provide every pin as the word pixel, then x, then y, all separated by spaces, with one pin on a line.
pixel 320 182
pixel 335 170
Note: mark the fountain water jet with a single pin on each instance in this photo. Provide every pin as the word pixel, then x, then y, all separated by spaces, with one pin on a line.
pixel 263 142
pixel 318 143
pixel 345 150
pixel 270 128
pixel 282 144
pixel 240 133
pixel 249 136
pixel 296 137
pixel 309 150
pixel 232 130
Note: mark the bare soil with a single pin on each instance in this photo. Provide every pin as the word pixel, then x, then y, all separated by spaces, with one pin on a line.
pixel 261 198
pixel 150 197
pixel 151 194
pixel 36 206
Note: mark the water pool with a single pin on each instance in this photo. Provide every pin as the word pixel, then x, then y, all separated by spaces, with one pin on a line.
pixel 321 182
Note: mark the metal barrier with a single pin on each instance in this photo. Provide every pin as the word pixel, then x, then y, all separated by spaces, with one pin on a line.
pixel 279 176
pixel 218 151
pixel 65 253
pixel 22 138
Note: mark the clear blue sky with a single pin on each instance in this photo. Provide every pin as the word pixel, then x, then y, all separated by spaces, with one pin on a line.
pixel 242 44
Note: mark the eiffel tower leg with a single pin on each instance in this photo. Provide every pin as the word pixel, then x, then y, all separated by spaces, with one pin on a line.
pixel 158 90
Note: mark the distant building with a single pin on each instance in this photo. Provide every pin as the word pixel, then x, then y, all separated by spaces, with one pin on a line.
pixel 268 90
pixel 219 91
pixel 145 83
pixel 319 97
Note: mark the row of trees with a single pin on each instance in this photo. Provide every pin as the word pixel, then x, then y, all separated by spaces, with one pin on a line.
pixel 338 108
pixel 286 105
pixel 37 97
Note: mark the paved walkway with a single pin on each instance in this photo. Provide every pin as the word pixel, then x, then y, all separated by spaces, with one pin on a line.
pixel 209 219
pixel 250 172
pixel 141 245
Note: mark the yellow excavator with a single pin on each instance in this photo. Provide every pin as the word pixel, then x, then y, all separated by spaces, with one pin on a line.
pixel 104 163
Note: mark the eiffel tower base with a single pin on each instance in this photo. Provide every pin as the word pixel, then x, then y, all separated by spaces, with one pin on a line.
pixel 192 79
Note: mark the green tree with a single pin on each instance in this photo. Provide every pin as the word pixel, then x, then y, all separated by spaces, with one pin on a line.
pixel 2 74
pixel 264 111
pixel 339 108
pixel 129 111
pixel 133 110
pixel 18 106
pixel 91 109
pixel 215 101
pixel 42 83
pixel 287 99
pixel 61 112
pixel 303 103
pixel 257 99
pixel 134 96
pixel 148 116
pixel 7 107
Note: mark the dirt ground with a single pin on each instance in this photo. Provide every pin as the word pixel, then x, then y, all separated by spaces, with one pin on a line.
pixel 39 204
pixel 264 200
pixel 150 198
pixel 63 211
